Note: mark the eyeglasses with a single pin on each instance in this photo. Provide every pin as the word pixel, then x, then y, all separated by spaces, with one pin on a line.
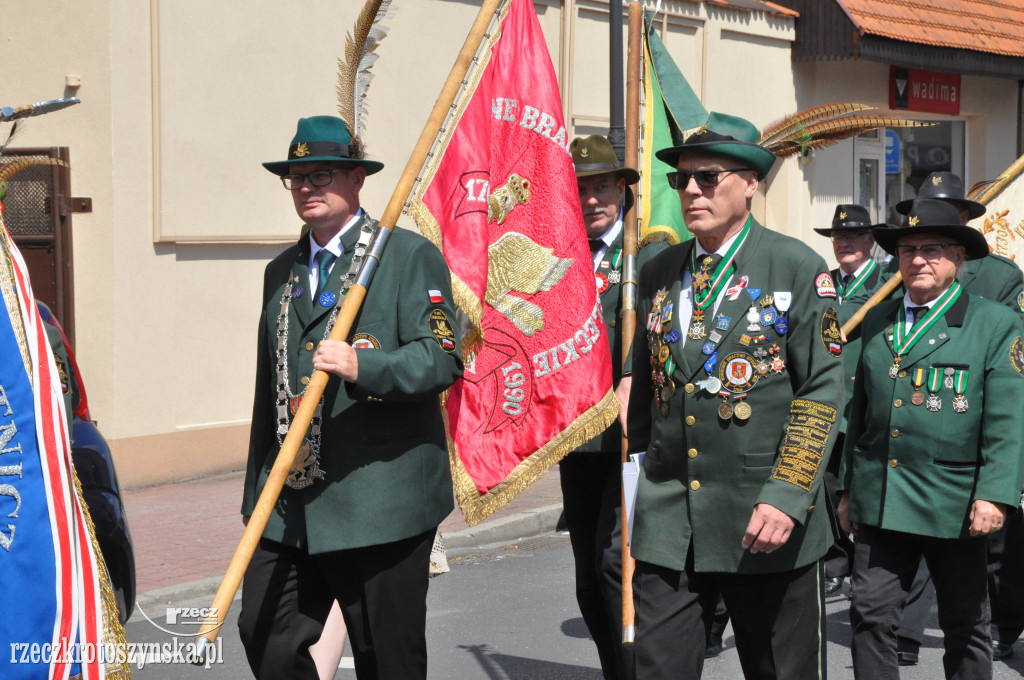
pixel 318 178
pixel 706 179
pixel 929 251
pixel 838 236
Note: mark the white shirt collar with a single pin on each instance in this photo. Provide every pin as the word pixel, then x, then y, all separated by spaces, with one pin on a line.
pixel 334 245
pixel 723 249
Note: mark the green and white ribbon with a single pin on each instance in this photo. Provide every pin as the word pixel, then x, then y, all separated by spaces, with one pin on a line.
pixel 722 273
pixel 858 281
pixel 903 339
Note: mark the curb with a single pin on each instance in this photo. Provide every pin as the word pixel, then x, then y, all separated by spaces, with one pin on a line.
pixel 525 524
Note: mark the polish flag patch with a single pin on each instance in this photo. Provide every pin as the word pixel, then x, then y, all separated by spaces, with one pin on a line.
pixel 435 297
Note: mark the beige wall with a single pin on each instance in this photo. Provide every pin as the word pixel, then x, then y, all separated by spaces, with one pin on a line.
pixel 989 107
pixel 168 266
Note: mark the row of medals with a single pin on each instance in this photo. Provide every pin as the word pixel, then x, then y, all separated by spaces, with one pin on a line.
pixel 932 401
pixel 659 333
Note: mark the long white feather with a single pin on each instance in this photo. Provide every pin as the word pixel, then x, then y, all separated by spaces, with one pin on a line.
pixel 354 74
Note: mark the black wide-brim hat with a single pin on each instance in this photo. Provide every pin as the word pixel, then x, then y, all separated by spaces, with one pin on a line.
pixel 944 186
pixel 932 216
pixel 594 155
pixel 724 135
pixel 848 217
pixel 322 138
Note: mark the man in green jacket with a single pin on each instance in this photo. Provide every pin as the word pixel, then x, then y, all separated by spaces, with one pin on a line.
pixel 999 279
pixel 736 397
pixel 857 278
pixel 591 475
pixel 356 519
pixel 932 459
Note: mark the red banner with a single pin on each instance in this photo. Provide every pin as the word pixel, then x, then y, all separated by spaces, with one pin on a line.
pixel 500 200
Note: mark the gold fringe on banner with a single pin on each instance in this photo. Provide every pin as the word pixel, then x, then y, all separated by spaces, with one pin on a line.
pixel 477 508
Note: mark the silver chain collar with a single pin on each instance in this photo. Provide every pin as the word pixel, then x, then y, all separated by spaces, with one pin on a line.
pixel 306 468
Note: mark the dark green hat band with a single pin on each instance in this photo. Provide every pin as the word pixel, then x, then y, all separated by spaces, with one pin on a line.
pixel 296 152
pixel 591 168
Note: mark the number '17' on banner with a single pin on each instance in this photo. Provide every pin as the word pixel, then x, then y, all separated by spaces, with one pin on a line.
pixel 499 198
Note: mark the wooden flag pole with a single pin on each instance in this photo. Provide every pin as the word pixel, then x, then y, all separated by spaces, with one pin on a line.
pixel 346 315
pixel 880 295
pixel 629 280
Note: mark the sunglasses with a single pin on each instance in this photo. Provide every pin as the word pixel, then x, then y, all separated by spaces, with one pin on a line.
pixel 706 179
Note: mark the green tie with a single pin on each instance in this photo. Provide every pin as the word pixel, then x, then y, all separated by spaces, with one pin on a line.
pixel 324 260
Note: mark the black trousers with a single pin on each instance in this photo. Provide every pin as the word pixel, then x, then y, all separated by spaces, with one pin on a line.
pixel 916 609
pixel 1006 578
pixel 884 566
pixel 592 501
pixel 382 589
pixel 778 620
pixel 839 558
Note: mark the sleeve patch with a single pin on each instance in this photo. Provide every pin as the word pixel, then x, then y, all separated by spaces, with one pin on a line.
pixel 805 446
pixel 435 297
pixel 831 336
pixel 364 341
pixel 824 286
pixel 1017 355
pixel 441 327
pixel 1020 301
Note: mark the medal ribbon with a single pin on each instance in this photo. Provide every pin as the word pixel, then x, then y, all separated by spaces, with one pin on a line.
pixel 722 272
pixel 857 282
pixel 904 341
pixel 934 380
pixel 918 378
pixel 960 382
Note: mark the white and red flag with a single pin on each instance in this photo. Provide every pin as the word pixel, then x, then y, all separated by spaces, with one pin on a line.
pixel 499 198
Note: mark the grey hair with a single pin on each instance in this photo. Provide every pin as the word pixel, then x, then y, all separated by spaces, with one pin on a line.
pixel 961 267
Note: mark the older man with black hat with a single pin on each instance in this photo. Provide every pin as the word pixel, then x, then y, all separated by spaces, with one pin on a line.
pixel 932 458
pixel 356 519
pixel 995 278
pixel 737 392
pixel 591 475
pixel 857 278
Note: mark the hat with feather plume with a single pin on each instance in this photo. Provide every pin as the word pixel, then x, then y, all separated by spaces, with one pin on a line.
pixel 339 139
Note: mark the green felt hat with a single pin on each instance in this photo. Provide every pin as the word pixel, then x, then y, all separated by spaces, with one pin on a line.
pixel 322 138
pixel 724 135
pixel 594 155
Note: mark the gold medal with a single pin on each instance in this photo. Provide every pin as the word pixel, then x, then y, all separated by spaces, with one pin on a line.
pixel 663 354
pixel 742 410
pixel 960 403
pixel 667 390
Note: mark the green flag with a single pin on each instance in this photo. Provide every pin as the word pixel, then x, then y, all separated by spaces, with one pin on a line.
pixel 671 108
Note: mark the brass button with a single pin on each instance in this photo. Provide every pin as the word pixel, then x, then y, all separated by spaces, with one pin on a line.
pixel 305 380
pixel 689 387
pixel 309 346
pixel 898 403
pixel 690 420
pixel 694 485
pixel 612 323
pixel 903 374
pixel 894 433
pixel 893 463
pixel 692 453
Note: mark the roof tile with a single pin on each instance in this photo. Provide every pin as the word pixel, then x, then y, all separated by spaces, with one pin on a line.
pixel 993 26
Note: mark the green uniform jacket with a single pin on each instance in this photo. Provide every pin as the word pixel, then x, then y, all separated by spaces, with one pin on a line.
pixel 384 451
pixel 702 475
pixel 610 441
pixel 913 470
pixel 851 350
